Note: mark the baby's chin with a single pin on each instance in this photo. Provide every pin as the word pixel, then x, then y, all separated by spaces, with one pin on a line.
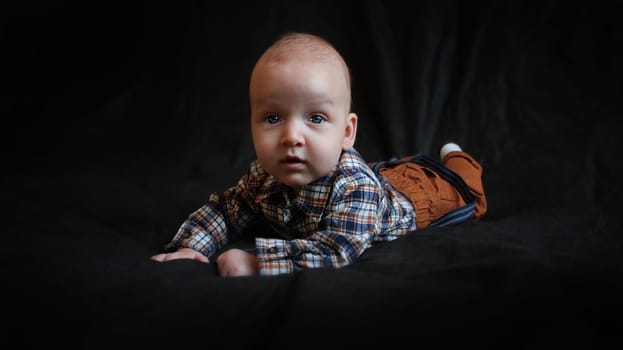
pixel 296 182
pixel 294 185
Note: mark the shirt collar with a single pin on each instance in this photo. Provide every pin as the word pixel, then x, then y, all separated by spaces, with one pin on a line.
pixel 311 198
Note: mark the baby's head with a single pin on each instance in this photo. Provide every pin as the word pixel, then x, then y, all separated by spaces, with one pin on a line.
pixel 300 109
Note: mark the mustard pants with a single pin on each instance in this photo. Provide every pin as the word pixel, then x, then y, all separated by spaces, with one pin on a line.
pixel 431 195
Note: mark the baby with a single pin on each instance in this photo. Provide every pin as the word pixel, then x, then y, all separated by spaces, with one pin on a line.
pixel 308 182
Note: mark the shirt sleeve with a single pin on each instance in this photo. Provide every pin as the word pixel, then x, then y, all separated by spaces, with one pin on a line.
pixel 346 229
pixel 210 227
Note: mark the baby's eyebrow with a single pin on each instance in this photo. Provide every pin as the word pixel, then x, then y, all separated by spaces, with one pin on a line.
pixel 277 104
pixel 327 101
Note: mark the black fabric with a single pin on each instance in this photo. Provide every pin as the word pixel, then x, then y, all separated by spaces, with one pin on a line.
pixel 121 118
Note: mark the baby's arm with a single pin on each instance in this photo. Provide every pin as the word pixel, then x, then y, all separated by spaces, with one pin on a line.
pixel 208 228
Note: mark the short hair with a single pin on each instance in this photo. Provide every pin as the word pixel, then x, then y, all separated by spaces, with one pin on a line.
pixel 295 44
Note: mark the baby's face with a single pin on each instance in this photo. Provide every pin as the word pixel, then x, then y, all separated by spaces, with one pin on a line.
pixel 300 119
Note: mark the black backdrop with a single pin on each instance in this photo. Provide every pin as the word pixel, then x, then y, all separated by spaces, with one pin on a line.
pixel 121 118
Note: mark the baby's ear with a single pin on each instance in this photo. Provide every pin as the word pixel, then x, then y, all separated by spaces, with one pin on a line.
pixel 350 131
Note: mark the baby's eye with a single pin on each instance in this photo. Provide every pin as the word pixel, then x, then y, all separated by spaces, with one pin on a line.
pixel 317 119
pixel 272 119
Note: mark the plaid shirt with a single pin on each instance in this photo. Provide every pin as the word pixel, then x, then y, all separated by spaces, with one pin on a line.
pixel 327 223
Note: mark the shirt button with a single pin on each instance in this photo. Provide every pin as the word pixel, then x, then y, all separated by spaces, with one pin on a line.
pixel 186 235
pixel 272 250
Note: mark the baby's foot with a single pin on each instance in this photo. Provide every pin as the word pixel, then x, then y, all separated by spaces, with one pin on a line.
pixel 447 148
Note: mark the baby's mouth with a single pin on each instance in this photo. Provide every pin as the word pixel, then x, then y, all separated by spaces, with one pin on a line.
pixel 291 160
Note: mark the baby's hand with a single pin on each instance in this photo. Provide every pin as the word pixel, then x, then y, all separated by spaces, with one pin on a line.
pixel 181 253
pixel 237 262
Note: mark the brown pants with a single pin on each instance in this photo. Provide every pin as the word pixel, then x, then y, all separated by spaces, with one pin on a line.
pixel 431 195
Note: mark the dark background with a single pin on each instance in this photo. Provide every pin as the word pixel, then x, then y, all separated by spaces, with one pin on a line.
pixel 119 119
